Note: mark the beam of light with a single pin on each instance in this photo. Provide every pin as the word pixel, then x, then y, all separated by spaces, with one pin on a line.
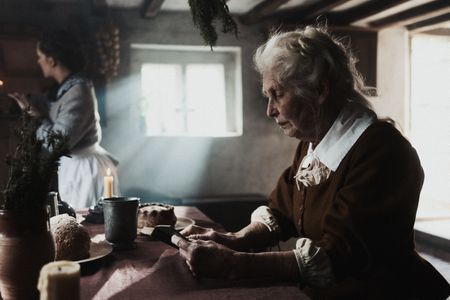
pixel 127 275
pixel 170 166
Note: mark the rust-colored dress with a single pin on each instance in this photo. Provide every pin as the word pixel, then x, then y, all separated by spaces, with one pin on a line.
pixel 363 216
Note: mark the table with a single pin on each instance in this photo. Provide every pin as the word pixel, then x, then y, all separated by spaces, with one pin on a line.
pixel 155 270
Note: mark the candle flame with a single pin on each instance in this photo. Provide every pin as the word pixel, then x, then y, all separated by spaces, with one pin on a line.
pixel 1 83
pixel 108 172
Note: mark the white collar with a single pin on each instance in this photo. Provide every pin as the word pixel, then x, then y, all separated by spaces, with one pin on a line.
pixel 351 122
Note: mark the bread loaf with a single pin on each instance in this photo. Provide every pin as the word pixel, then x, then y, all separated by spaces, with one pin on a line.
pixel 153 214
pixel 72 240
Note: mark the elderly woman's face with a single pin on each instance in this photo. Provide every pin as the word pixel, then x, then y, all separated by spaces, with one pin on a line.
pixel 293 115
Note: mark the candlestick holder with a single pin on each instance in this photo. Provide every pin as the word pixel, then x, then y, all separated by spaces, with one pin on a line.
pixel 96 213
pixel 61 207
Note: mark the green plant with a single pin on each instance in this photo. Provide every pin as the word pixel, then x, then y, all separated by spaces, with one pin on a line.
pixel 33 166
pixel 203 14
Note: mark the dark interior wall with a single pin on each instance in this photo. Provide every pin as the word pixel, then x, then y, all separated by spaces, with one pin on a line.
pixel 169 167
pixel 363 44
pixel 20 24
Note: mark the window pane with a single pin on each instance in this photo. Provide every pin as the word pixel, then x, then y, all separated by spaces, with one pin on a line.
pixel 161 98
pixel 188 90
pixel 205 95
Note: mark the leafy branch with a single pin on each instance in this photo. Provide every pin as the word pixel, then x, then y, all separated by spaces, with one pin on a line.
pixel 33 166
pixel 204 12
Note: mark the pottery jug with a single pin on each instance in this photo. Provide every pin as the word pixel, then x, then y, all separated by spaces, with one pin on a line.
pixel 26 244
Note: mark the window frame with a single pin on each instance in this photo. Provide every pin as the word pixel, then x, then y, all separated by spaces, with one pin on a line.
pixel 229 56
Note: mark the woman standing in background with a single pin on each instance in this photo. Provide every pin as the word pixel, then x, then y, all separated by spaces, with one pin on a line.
pixel 71 109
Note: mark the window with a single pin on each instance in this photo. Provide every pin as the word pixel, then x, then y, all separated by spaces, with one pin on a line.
pixel 430 115
pixel 189 90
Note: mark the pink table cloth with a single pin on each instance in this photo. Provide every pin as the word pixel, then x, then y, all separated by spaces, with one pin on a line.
pixel 155 270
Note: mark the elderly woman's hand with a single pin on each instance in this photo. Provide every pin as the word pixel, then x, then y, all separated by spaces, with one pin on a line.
pixel 209 259
pixel 231 240
pixel 206 258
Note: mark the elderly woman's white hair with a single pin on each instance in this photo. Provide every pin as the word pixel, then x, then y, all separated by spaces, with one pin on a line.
pixel 311 62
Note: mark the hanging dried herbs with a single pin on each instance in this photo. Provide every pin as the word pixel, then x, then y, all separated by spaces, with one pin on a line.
pixel 33 166
pixel 204 13
pixel 108 49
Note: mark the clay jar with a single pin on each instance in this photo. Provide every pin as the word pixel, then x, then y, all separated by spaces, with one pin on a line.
pixel 26 244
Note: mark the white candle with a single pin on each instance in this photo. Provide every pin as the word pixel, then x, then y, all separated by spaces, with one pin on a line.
pixel 108 184
pixel 60 280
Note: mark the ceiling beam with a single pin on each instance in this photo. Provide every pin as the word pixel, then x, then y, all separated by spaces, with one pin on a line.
pixel 429 24
pixel 261 10
pixel 305 12
pixel 362 11
pixel 414 14
pixel 150 8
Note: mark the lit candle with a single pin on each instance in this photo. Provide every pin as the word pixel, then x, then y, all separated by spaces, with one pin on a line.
pixel 2 84
pixel 60 280
pixel 108 184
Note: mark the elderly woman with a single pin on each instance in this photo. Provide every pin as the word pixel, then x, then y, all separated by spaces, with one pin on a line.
pixel 72 110
pixel 350 195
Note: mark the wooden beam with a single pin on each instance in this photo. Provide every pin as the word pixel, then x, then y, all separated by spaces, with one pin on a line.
pixel 307 11
pixel 260 11
pixel 362 11
pixel 429 24
pixel 150 8
pixel 414 14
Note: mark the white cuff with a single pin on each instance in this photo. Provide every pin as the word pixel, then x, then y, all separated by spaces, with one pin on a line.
pixel 313 263
pixel 264 215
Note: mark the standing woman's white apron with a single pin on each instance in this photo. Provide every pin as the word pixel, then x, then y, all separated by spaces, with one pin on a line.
pixel 80 178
